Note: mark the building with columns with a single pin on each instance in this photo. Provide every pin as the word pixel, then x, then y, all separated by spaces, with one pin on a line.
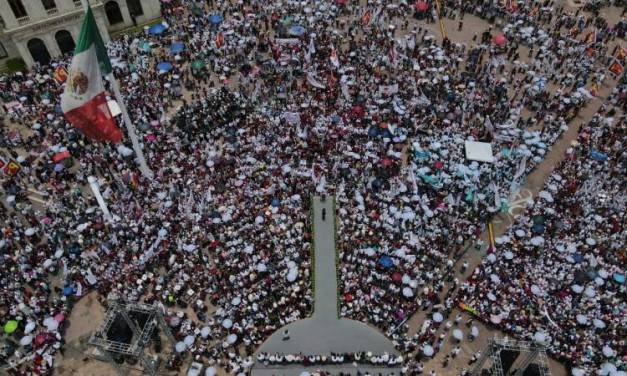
pixel 40 30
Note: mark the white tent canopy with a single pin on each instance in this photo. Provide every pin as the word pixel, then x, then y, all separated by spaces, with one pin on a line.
pixel 479 151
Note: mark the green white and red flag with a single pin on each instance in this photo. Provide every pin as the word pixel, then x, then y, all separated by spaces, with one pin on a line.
pixel 84 102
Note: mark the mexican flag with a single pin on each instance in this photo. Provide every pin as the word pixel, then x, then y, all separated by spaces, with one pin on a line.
pixel 84 102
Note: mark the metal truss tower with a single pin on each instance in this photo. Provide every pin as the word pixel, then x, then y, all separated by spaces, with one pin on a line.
pixel 526 354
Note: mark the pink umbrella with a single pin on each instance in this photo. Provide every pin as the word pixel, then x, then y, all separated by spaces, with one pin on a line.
pixel 499 40
pixel 59 317
pixel 46 220
pixel 397 277
pixel 422 6
pixel 40 339
pixel 151 137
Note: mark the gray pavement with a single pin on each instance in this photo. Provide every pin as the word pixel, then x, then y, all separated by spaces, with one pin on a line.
pixel 324 332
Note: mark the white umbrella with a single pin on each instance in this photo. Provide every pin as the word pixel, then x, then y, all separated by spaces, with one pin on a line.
pixel 189 341
pixel 180 347
pixel 205 331
pixel 591 241
pixel 508 255
pixel 211 371
pixel 582 319
pixel 600 324
pixel 540 337
pixel 29 231
pixel 537 240
pixel 51 324
pixel 292 274
pixel 406 279
pixel 407 292
pixel 227 323
pixel 261 267
pixel 428 350
pixel 535 290
pixel 474 331
pixel 30 326
pixel 495 278
pixel 491 257
pixel 231 338
pixel 546 195
pixel 236 301
pixel 26 340
pixel 496 319
pixel 608 351
pixel 603 273
pixel 437 317
pixel 577 288
pixel 590 292
pixel 577 372
pixel 520 233
pixel 458 335
pixel 607 369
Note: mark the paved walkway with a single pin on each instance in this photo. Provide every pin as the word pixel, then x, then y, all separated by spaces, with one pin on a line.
pixel 324 332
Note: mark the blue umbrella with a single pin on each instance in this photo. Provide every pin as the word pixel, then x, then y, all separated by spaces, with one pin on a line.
pixel 620 278
pixel 58 167
pixel 68 290
pixel 385 261
pixel 75 248
pixel 177 48
pixel 275 202
pixel 377 184
pixel 164 66
pixel 598 156
pixel 296 30
pixel 385 133
pixel 578 258
pixel 216 18
pixel 538 228
pixel 373 131
pixel 157 29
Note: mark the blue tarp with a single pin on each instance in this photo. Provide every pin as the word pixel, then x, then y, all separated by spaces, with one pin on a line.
pixel 68 290
pixel 275 202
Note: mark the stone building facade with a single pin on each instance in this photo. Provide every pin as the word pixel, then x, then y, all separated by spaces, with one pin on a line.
pixel 39 30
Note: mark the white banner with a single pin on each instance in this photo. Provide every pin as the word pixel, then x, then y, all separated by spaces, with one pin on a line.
pixel 388 89
pixel 313 81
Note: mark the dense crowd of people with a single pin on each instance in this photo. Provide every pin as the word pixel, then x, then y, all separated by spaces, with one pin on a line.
pixel 270 103
pixel 558 274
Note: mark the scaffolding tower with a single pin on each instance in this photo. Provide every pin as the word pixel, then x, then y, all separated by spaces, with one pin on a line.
pixel 139 322
pixel 527 353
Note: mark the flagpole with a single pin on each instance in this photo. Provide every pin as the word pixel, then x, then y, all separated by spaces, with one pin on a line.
pixel 143 166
